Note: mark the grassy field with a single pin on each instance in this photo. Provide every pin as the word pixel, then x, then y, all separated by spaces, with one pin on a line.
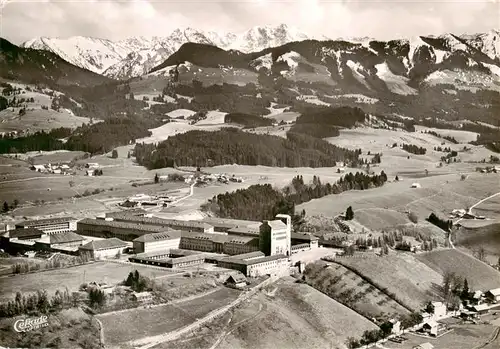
pixel 72 278
pixel 385 206
pixel 348 288
pixel 463 336
pixel 479 275
pixel 293 315
pixel 286 315
pixel 70 328
pixel 412 282
pixel 136 324
pixel 491 207
pixel 486 237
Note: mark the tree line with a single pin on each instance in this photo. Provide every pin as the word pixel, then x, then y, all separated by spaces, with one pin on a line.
pixel 37 303
pixel 247 120
pixel 414 149
pixel 263 202
pixel 232 146
pixel 444 224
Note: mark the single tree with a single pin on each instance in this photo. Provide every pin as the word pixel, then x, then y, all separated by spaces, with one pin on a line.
pixel 157 179
pixel 128 155
pixel 465 290
pixel 114 154
pixel 396 179
pixel 349 213
pixel 5 207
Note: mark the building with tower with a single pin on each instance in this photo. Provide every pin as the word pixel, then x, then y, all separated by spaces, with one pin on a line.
pixel 275 236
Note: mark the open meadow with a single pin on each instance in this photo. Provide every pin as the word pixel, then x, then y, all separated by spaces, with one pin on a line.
pixel 480 276
pixel 352 290
pixel 286 314
pixel 410 280
pixel 292 315
pixel 141 323
pixel 439 194
pixel 72 278
pixel 486 237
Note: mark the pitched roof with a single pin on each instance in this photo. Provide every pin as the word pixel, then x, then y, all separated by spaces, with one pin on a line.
pixel 244 230
pixel 163 222
pixel 45 221
pixel 125 225
pixel 276 224
pixel 253 261
pixel 166 235
pixel 495 291
pixel 65 237
pixel 237 277
pixel 432 323
pixel 480 307
pixel 102 244
pixel 24 232
pixel 305 237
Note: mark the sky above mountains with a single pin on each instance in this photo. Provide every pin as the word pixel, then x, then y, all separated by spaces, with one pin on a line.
pixel 381 19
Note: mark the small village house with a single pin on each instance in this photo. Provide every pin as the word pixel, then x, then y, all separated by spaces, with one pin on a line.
pixel 236 280
pixel 480 309
pixel 431 327
pixel 439 309
pixel 493 296
pixel 142 297
pixel 396 326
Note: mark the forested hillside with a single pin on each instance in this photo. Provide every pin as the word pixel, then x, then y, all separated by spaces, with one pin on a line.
pixel 231 146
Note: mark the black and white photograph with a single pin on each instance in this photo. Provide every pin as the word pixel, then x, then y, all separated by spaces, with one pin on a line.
pixel 250 174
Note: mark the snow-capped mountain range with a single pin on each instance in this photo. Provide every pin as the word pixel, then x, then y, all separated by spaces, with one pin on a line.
pixel 138 55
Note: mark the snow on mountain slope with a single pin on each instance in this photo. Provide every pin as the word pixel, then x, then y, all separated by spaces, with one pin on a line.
pixel 395 83
pixel 265 61
pixel 357 68
pixel 488 43
pixel 93 54
pixel 464 80
pixel 136 56
pixel 259 38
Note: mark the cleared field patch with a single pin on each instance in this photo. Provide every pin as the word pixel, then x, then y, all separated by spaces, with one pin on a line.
pixel 292 315
pixel 379 218
pixel 410 280
pixel 287 116
pixel 71 278
pixel 491 207
pixel 438 194
pixel 350 289
pixel 460 136
pixel 37 119
pixel 136 324
pixel 480 276
pixel 56 156
pixel 475 238
pixel 173 128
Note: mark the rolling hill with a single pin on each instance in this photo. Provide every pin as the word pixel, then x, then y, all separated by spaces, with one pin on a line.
pixel 480 276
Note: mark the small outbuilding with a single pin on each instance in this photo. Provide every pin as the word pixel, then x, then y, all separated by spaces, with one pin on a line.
pixel 416 185
pixel 236 280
